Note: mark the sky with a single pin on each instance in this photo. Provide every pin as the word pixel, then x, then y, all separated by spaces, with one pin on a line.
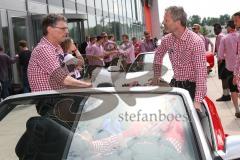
pixel 203 8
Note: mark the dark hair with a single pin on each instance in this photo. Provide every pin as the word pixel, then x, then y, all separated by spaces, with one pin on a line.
pixel 66 44
pixel 231 24
pixel 134 38
pixel 110 36
pixel 104 34
pixel 125 35
pixel 1 48
pixel 99 38
pixel 92 38
pixel 217 25
pixel 51 20
pixel 22 43
pixel 236 14
pixel 146 33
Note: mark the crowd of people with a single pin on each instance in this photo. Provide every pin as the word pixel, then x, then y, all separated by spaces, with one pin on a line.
pixel 57 63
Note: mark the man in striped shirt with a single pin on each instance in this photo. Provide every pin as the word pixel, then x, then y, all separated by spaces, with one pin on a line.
pixel 236 78
pixel 187 55
pixel 45 71
pixel 228 51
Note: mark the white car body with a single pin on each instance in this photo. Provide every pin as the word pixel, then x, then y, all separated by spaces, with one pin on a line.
pixel 102 75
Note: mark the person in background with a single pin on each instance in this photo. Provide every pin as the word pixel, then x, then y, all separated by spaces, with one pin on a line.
pixel 221 67
pixel 45 70
pixel 236 78
pixel 24 57
pixel 111 37
pixel 137 46
pixel 228 51
pixel 207 42
pixel 97 55
pixel 196 29
pixel 91 43
pixel 84 45
pixel 5 64
pixel 89 50
pixel 108 46
pixel 127 50
pixel 187 54
pixel 148 44
pixel 74 64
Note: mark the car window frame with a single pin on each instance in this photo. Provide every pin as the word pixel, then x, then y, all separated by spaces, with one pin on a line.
pixel 192 123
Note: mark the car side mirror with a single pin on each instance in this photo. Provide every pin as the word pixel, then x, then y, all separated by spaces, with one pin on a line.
pixel 232 144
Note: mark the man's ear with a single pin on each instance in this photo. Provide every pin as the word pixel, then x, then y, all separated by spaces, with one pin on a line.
pixel 49 29
pixel 178 22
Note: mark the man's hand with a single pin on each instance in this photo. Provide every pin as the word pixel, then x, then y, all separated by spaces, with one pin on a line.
pixel 235 80
pixel 197 105
pixel 220 61
pixel 154 81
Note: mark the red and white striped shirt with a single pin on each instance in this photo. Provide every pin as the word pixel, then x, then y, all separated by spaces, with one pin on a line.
pixel 44 69
pixel 228 50
pixel 237 65
pixel 188 59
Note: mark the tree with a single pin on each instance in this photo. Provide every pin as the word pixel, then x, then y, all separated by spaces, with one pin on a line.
pixel 204 21
pixel 194 19
pixel 224 19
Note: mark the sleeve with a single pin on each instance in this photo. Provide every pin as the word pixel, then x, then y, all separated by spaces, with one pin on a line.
pixel 199 61
pixel 142 47
pixel 158 58
pixel 237 64
pixel 11 60
pixel 221 50
pixel 50 64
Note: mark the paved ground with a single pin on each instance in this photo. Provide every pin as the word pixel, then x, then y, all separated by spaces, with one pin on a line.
pixel 226 110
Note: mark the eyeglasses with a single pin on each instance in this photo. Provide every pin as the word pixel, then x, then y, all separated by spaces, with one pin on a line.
pixel 62 28
pixel 194 28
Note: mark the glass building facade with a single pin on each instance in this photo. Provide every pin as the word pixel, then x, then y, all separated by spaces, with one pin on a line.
pixel 21 20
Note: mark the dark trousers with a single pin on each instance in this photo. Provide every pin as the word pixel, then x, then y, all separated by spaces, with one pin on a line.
pixel 5 89
pixel 188 85
pixel 26 87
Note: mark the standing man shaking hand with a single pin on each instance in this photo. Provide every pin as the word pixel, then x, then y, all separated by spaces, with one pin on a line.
pixel 187 54
pixel 45 70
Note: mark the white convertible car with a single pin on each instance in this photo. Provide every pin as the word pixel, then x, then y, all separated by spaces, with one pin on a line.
pixel 143 123
pixel 141 70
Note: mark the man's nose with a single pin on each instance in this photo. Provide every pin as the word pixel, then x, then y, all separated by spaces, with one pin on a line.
pixel 67 32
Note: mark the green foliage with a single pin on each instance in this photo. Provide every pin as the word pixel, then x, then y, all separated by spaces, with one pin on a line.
pixel 194 19
pixel 208 21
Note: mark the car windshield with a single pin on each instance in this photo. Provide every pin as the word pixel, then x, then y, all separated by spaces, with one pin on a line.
pixel 144 62
pixel 148 127
pixel 98 126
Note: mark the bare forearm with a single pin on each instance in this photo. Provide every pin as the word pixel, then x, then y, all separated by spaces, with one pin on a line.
pixel 71 82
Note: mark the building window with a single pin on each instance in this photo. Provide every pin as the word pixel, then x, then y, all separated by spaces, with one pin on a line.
pixel 81 2
pixel 81 8
pixel 55 3
pixel 5 31
pixel 92 25
pixel 90 3
pixel 129 9
pixel 119 4
pixel 99 26
pixel 110 5
pixel 70 5
pixel 115 8
pixel 41 1
pixel 105 5
pixel 133 10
